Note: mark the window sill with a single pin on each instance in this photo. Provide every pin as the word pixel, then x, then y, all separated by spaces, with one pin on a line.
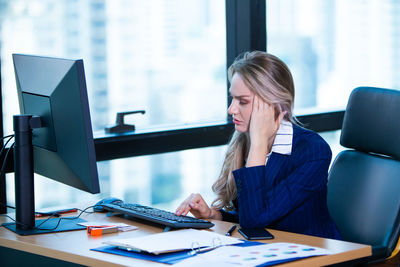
pixel 161 139
pixel 180 137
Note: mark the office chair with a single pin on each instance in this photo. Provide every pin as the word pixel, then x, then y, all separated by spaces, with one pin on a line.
pixel 364 181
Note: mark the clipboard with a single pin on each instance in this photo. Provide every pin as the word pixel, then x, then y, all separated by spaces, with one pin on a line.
pixel 174 241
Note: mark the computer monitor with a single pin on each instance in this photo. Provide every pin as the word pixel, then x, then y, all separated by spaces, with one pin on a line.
pixel 55 118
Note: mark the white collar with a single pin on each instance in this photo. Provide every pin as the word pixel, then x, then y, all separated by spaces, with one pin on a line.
pixel 283 139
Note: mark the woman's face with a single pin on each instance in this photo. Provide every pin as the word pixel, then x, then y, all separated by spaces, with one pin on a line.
pixel 242 103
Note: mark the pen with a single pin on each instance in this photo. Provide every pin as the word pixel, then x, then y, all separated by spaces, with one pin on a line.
pixel 55 213
pixel 230 231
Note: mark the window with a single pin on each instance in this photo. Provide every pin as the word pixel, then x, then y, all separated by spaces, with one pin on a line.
pixel 136 51
pixel 333 47
pixel 167 57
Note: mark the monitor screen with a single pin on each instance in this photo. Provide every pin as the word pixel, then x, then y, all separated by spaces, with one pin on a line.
pixel 62 147
pixel 55 90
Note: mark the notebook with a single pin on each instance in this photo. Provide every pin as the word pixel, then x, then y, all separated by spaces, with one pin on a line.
pixel 172 241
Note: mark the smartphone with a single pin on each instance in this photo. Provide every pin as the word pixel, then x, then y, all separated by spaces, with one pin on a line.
pixel 255 233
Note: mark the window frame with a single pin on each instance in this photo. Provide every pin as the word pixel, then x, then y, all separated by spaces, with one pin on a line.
pixel 245 31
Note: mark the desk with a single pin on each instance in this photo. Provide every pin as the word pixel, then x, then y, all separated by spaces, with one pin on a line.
pixel 74 247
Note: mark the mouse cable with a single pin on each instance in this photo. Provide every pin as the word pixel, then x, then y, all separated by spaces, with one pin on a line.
pixel 4 146
pixel 7 206
pixel 4 137
pixel 5 160
pixel 50 217
pixel 45 213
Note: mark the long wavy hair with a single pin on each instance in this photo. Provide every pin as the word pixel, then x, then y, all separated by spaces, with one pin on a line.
pixel 269 78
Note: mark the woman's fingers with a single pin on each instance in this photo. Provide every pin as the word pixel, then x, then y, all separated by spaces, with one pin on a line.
pixel 181 209
pixel 185 209
pixel 190 203
pixel 256 103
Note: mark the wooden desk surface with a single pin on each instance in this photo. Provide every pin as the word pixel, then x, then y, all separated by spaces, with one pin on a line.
pixel 75 246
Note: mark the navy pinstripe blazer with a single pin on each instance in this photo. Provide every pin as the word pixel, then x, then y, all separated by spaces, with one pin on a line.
pixel 289 193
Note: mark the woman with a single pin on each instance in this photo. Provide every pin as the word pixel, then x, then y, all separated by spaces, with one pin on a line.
pixel 275 172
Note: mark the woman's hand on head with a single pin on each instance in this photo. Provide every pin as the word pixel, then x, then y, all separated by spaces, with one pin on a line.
pixel 262 130
pixel 263 125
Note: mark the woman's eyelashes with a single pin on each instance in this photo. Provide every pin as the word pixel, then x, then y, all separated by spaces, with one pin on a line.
pixel 241 100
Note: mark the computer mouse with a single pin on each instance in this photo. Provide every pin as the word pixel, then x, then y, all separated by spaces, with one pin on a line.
pixel 109 200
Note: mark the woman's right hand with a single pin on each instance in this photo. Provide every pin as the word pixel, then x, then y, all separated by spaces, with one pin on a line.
pixel 263 125
pixel 198 207
pixel 262 130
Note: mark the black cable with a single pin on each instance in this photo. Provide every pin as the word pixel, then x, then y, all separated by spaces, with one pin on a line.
pixel 48 213
pixel 4 146
pixel 59 220
pixel 5 160
pixel 4 163
pixel 50 217
pixel 4 137
pixel 55 227
pixel 11 136
pixel 84 210
pixel 8 206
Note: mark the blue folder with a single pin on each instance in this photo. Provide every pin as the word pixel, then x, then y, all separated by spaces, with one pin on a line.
pixel 168 258
pixel 175 257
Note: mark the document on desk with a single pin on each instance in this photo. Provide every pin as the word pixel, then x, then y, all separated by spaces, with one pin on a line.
pixel 174 241
pixel 265 255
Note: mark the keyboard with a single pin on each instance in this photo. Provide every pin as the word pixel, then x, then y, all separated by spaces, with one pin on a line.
pixel 157 216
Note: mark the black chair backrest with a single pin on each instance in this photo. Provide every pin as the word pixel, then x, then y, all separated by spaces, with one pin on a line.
pixel 364 182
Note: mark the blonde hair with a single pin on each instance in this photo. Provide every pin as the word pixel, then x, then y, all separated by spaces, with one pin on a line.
pixel 269 78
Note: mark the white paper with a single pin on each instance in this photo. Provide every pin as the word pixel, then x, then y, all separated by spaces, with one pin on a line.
pixel 253 255
pixel 174 241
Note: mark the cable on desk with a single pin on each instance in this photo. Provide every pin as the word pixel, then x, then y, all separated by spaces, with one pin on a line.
pixel 11 136
pixel 4 137
pixel 5 158
pixel 84 210
pixel 50 217
pixel 48 213
pixel 7 206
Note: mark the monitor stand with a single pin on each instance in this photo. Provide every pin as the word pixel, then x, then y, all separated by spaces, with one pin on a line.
pixel 24 186
pixel 51 225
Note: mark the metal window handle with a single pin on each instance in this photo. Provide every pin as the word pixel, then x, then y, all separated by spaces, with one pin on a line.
pixel 120 126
